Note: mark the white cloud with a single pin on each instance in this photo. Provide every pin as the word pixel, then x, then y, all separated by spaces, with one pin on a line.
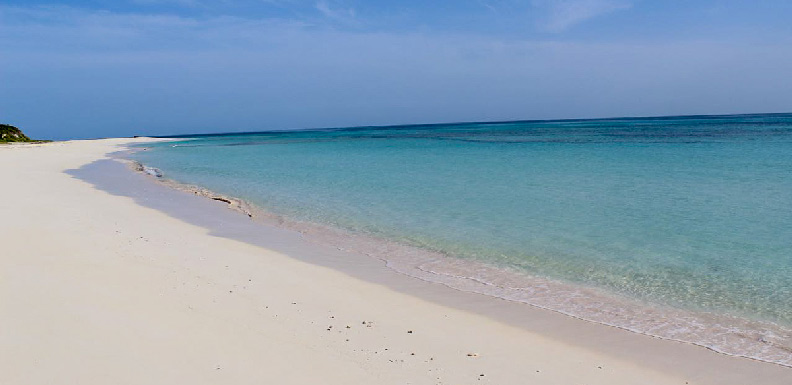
pixel 563 14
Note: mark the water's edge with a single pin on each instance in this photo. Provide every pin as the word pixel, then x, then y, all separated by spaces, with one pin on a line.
pixel 732 336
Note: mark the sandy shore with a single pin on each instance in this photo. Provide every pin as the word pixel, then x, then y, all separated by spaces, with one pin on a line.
pixel 99 286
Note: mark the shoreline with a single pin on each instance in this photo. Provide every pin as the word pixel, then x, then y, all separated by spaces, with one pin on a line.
pixel 172 237
pixel 715 332
pixel 307 230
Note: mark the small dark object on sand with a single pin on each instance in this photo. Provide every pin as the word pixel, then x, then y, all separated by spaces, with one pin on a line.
pixel 221 199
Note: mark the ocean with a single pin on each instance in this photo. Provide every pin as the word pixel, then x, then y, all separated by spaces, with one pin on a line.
pixel 676 227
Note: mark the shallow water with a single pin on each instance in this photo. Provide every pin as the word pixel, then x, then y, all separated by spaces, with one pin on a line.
pixel 675 227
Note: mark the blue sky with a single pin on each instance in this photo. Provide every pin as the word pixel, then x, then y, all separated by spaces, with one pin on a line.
pixel 98 68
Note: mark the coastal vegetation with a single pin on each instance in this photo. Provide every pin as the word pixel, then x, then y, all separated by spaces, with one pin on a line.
pixel 9 133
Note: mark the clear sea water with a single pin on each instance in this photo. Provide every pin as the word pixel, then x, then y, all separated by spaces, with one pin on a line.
pixel 679 227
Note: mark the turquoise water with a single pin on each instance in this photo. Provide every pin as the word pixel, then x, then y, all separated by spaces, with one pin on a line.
pixel 686 213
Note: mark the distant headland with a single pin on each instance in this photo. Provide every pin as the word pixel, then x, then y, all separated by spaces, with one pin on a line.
pixel 9 133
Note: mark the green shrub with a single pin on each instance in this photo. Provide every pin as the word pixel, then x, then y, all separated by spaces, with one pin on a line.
pixel 9 133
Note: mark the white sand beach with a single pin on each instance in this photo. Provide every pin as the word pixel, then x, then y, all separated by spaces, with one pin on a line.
pixel 96 288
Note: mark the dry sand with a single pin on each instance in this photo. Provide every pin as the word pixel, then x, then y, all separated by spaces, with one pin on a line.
pixel 96 288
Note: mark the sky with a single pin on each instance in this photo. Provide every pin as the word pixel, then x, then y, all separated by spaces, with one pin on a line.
pixel 102 68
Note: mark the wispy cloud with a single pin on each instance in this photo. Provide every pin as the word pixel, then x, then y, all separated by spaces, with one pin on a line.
pixel 184 3
pixel 564 14
pixel 343 15
pixel 488 5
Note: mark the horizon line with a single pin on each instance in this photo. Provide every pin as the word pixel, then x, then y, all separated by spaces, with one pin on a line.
pixel 392 126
